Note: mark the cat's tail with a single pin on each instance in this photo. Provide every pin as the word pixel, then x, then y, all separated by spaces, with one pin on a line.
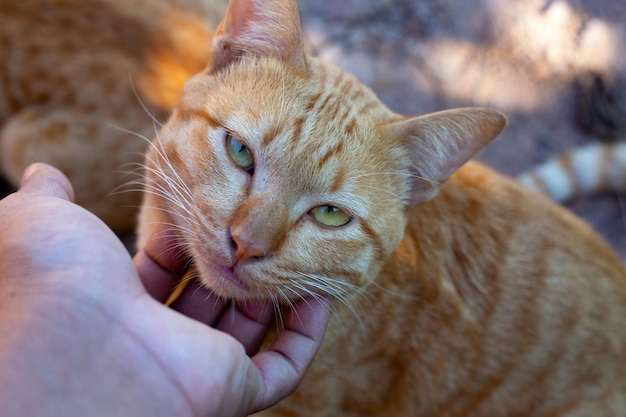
pixel 584 171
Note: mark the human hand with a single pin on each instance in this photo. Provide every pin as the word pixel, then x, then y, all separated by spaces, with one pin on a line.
pixel 81 335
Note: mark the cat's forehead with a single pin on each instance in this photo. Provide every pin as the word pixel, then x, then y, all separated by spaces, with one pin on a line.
pixel 320 108
pixel 317 131
pixel 319 119
pixel 268 88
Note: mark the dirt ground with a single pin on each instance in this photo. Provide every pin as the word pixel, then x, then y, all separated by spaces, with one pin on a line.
pixel 525 58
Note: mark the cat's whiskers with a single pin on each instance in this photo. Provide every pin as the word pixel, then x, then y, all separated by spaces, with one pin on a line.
pixel 188 232
pixel 292 304
pixel 393 293
pixel 303 293
pixel 177 248
pixel 166 193
pixel 187 227
pixel 400 174
pixel 383 190
pixel 335 317
pixel 171 190
pixel 333 283
pixel 135 135
pixel 278 313
pixel 155 121
pixel 174 180
pixel 178 180
pixel 344 292
pixel 177 191
pixel 178 184
pixel 140 187
pixel 131 168
pixel 372 174
pixel 393 173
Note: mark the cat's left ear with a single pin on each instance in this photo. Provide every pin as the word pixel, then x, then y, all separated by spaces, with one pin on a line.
pixel 440 143
pixel 261 28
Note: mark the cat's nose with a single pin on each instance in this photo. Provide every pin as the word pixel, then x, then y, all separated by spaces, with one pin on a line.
pixel 245 248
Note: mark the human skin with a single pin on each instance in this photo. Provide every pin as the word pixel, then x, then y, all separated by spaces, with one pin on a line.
pixel 84 330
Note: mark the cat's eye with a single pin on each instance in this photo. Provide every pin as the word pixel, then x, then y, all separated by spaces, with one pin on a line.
pixel 330 216
pixel 240 154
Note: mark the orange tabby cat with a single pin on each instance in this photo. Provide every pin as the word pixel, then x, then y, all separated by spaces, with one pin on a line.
pixel 457 291
pixel 67 72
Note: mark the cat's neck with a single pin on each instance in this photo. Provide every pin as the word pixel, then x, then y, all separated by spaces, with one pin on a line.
pixel 472 260
pixel 452 243
pixel 450 258
pixel 443 263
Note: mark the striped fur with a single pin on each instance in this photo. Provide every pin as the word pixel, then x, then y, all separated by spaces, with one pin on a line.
pixel 79 80
pixel 581 172
pixel 457 291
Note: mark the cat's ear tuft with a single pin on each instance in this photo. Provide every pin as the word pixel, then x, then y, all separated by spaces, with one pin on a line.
pixel 261 28
pixel 440 143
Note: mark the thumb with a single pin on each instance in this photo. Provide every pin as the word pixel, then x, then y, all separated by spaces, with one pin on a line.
pixel 44 179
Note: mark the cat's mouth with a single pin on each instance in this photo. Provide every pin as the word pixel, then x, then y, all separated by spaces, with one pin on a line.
pixel 230 275
pixel 224 281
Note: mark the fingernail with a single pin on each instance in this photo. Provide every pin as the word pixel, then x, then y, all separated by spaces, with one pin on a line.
pixel 29 172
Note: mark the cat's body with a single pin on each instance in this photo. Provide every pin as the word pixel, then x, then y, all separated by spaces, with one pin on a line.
pixel 285 177
pixel 67 73
pixel 487 314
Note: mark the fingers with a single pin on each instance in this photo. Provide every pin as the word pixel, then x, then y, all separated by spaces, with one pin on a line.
pixel 248 322
pixel 44 179
pixel 160 264
pixel 283 365
pixel 278 370
pixel 199 303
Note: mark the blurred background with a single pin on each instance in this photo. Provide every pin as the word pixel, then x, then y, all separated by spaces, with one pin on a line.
pixel 555 67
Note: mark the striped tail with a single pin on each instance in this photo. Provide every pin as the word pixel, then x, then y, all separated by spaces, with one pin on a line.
pixel 581 172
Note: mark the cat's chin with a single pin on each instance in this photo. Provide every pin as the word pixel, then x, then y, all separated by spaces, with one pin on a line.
pixel 229 275
pixel 225 282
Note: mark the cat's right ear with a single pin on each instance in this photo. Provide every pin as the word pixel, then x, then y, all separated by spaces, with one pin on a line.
pixel 261 28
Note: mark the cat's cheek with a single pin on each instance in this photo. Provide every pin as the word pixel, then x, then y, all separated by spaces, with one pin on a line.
pixel 149 219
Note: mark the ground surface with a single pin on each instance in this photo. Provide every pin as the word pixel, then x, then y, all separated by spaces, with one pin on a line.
pixel 522 57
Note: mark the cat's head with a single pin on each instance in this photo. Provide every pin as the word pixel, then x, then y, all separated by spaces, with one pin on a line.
pixel 285 176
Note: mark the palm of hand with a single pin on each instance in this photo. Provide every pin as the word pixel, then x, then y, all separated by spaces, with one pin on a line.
pixel 74 299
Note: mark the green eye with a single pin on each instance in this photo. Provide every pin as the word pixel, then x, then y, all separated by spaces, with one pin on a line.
pixel 240 154
pixel 330 216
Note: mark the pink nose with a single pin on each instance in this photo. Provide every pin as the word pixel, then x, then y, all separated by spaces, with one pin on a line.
pixel 244 247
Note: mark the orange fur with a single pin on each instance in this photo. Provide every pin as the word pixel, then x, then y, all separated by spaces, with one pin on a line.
pixel 67 75
pixel 457 291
